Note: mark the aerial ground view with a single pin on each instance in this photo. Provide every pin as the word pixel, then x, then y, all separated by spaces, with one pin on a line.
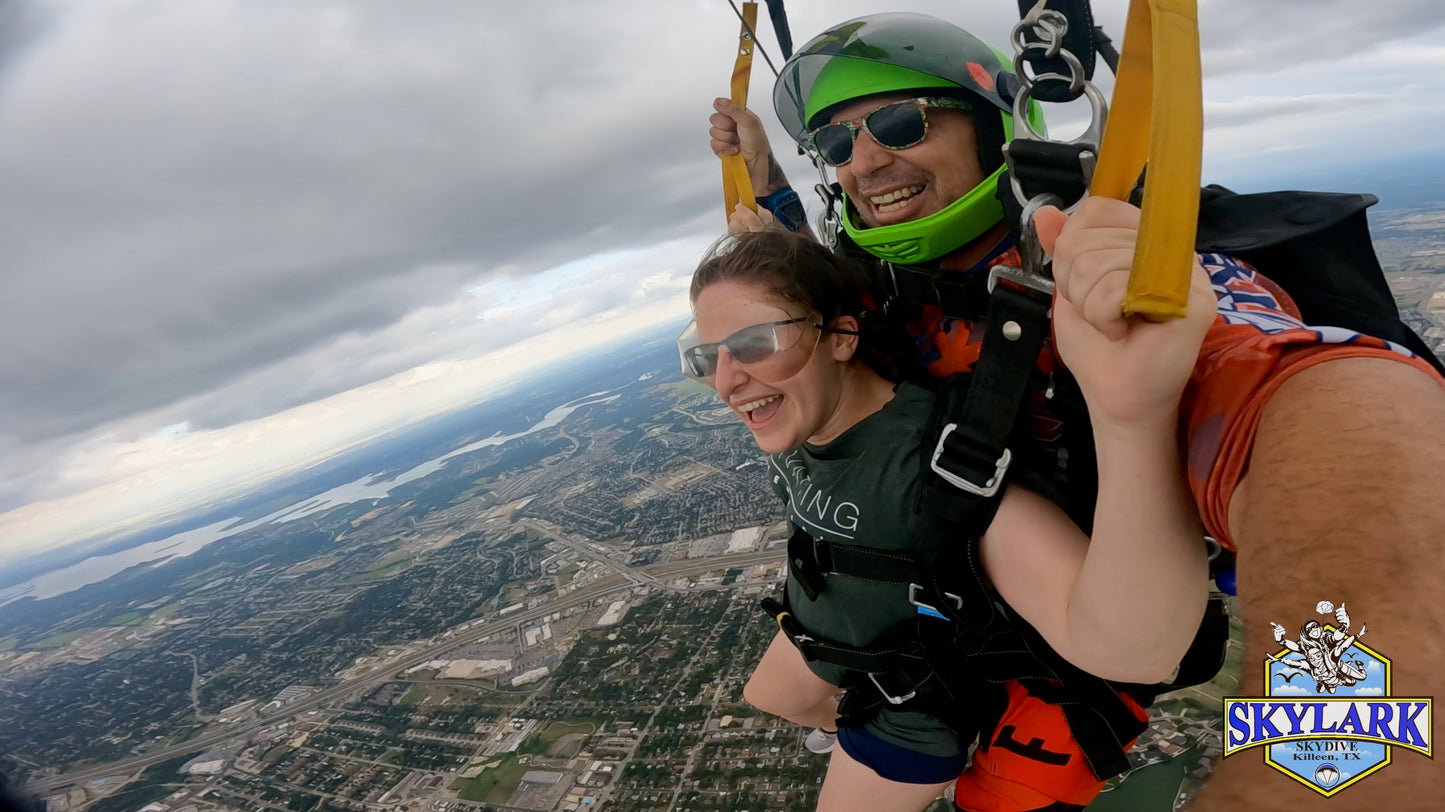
pixel 347 463
pixel 547 601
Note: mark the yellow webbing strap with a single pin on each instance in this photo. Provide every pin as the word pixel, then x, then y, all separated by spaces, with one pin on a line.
pixel 1157 117
pixel 737 186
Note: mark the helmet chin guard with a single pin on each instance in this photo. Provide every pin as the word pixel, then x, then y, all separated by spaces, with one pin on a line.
pixel 928 238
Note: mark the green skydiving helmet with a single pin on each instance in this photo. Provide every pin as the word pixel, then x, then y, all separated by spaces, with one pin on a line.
pixel 905 52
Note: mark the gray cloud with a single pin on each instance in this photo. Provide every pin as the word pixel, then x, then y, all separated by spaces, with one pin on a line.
pixel 216 193
pixel 210 212
pixel 1255 110
pixel 1241 36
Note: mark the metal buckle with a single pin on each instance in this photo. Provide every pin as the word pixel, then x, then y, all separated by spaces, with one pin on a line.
pixel 914 589
pixel 1019 277
pixel 988 488
pixel 892 700
pixel 824 567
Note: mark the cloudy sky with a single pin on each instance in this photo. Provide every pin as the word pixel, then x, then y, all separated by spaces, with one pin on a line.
pixel 238 235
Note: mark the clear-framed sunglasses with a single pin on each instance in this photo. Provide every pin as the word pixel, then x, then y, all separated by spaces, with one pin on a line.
pixel 764 350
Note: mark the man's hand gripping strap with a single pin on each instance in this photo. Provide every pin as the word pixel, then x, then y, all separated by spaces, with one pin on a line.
pixel 737 186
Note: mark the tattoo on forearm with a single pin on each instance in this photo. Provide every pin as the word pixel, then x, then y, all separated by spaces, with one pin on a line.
pixel 776 178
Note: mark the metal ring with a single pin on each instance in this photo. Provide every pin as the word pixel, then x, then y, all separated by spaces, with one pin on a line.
pixel 1055 19
pixel 1031 251
pixel 1049 44
pixel 1099 106
pixel 1031 208
pixel 1047 29
pixel 1075 77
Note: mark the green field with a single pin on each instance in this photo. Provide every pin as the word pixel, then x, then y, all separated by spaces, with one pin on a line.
pixel 60 640
pixel 8 643
pixel 556 730
pixel 383 568
pixel 495 785
pixel 197 578
pixel 151 785
pixel 127 619
pixel 1152 789
pixel 414 695
pixel 542 740
pixel 167 610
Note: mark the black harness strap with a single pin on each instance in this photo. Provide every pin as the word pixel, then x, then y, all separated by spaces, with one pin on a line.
pixel 803 564
pixel 811 560
pixel 779 16
pixel 964 474
pixel 901 669
pixel 880 659
pixel 1044 168
pixel 1206 653
pixel 960 296
pixel 1050 167
pixel 1100 721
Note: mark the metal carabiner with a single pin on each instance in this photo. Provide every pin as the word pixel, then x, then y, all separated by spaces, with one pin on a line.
pixel 1031 251
pixel 1050 27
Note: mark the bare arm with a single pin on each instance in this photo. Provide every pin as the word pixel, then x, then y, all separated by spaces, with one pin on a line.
pixel 1124 605
pixel 1343 498
pixel 1128 607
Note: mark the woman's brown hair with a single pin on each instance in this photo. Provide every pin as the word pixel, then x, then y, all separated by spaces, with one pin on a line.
pixel 799 269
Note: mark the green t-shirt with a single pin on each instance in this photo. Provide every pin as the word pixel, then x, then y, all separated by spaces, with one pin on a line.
pixel 860 490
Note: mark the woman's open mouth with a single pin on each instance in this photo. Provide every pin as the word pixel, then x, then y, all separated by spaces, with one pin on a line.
pixel 758 412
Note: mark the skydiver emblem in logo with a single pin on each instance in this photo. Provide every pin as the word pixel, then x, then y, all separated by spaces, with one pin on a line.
pixel 1322 652
pixel 1343 727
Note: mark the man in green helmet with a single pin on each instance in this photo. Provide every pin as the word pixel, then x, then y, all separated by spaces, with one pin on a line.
pixel 1299 438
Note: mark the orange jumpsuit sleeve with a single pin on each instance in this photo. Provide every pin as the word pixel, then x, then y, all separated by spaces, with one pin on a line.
pixel 1256 343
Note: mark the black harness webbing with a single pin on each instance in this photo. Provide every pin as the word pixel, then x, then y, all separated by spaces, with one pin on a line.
pixel 964 474
pixel 779 16
pixel 959 295
pixel 954 664
pixel 810 559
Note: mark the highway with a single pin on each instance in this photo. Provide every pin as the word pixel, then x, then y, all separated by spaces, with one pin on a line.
pixel 325 696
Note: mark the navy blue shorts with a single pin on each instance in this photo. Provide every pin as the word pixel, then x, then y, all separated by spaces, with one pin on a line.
pixel 897 763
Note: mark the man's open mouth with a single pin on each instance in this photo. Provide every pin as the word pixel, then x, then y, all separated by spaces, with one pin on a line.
pixel 894 200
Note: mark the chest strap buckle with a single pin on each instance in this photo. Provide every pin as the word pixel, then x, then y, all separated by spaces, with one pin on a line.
pixel 928 609
pixel 890 698
pixel 988 488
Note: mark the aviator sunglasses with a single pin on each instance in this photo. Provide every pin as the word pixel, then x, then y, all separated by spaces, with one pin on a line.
pixel 760 347
pixel 897 125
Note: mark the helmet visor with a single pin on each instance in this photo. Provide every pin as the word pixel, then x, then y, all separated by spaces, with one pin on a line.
pixel 883 53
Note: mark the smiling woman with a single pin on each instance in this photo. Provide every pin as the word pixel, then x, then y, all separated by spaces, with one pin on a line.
pixel 779 332
pixel 784 333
